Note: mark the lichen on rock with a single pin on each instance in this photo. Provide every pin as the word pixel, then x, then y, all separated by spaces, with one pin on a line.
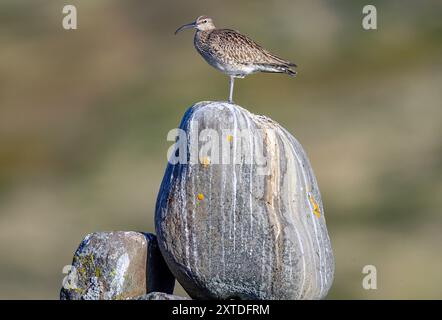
pixel 117 265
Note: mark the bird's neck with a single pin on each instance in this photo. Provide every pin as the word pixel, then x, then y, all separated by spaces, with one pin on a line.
pixel 201 37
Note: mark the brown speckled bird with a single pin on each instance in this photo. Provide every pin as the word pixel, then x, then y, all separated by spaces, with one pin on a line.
pixel 233 53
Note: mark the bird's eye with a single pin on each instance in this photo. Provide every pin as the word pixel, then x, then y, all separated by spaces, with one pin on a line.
pixel 204 21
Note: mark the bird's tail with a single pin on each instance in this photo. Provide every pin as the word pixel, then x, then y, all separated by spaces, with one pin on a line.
pixel 278 68
pixel 290 72
pixel 281 61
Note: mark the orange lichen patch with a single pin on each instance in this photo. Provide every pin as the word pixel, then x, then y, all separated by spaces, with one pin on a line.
pixel 316 209
pixel 230 138
pixel 205 161
pixel 200 197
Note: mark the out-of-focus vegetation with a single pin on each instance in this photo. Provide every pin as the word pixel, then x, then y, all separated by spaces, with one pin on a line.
pixel 84 116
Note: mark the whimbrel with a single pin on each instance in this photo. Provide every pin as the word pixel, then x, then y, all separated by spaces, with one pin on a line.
pixel 233 53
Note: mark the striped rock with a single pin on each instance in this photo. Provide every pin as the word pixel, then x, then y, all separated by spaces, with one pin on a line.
pixel 239 213
pixel 116 265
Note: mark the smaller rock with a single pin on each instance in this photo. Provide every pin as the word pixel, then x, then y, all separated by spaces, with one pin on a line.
pixel 159 296
pixel 117 265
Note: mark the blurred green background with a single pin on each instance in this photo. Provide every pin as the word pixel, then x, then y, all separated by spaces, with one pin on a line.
pixel 84 116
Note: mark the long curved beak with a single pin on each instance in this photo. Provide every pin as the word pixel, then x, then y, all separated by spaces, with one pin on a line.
pixel 186 26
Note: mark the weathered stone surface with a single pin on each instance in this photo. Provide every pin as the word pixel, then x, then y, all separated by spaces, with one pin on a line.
pixel 117 265
pixel 254 229
pixel 159 296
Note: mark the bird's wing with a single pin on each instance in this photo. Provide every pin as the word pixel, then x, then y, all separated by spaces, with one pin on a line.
pixel 229 44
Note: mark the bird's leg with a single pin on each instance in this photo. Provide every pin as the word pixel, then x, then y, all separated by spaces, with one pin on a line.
pixel 232 82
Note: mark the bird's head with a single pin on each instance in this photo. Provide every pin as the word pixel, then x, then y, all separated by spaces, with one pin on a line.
pixel 202 23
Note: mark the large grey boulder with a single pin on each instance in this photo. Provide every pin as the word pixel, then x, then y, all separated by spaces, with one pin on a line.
pixel 247 221
pixel 117 265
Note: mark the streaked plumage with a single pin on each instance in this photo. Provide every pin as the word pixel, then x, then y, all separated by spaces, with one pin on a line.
pixel 234 53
